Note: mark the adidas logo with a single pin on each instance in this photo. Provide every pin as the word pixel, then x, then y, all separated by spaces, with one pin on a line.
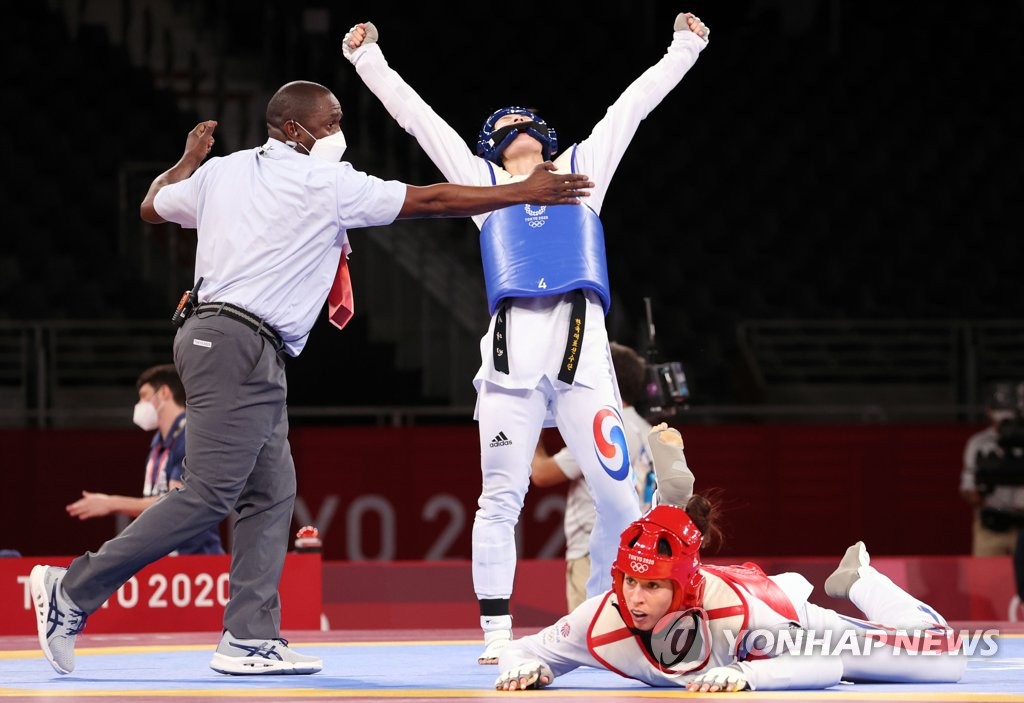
pixel 500 440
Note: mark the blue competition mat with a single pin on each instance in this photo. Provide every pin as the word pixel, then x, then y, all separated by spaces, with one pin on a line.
pixel 421 670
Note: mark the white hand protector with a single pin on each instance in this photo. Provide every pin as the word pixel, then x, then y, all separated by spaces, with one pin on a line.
pixel 371 37
pixel 719 678
pixel 530 674
pixel 681 24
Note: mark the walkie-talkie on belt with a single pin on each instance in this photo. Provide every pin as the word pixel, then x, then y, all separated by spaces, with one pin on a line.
pixel 187 304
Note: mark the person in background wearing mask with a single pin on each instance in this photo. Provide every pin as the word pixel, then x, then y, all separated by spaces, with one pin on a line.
pixel 998 509
pixel 161 407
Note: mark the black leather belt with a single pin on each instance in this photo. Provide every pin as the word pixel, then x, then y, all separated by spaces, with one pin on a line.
pixel 256 324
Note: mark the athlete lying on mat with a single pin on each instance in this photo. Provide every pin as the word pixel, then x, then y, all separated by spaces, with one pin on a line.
pixel 671 621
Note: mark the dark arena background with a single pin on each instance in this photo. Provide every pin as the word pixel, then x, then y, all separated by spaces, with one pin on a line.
pixel 823 218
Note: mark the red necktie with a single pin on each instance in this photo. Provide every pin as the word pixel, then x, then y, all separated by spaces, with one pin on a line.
pixel 340 306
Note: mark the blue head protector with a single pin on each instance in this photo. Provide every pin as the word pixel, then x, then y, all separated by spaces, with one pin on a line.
pixel 492 142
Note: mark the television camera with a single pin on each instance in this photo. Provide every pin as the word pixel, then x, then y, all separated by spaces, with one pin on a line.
pixel 1003 464
pixel 667 390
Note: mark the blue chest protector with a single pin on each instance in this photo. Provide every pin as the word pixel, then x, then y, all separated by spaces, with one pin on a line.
pixel 531 251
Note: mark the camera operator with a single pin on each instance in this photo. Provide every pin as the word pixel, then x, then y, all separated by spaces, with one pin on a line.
pixel 992 480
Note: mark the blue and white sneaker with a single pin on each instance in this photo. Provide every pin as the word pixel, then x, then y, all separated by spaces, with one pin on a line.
pixel 58 619
pixel 256 656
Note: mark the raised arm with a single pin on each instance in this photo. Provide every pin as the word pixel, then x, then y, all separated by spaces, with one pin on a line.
pixel 599 154
pixel 542 187
pixel 197 146
pixel 674 478
pixel 445 147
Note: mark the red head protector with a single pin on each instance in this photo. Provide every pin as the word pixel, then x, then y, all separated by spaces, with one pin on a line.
pixel 663 544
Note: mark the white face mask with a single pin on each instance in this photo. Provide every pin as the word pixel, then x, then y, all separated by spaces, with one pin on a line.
pixel 145 415
pixel 329 148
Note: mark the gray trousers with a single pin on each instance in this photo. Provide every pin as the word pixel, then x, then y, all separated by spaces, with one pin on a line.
pixel 237 457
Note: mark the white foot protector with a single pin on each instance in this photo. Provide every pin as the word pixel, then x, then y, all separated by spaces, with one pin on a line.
pixel 850 569
pixel 497 635
pixel 494 642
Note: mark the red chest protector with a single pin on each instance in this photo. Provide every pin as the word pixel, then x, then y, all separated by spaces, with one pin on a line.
pixel 754 581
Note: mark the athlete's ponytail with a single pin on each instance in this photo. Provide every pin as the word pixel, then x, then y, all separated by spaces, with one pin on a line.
pixel 704 513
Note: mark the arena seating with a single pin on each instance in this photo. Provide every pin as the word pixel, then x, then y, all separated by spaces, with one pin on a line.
pixel 813 172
